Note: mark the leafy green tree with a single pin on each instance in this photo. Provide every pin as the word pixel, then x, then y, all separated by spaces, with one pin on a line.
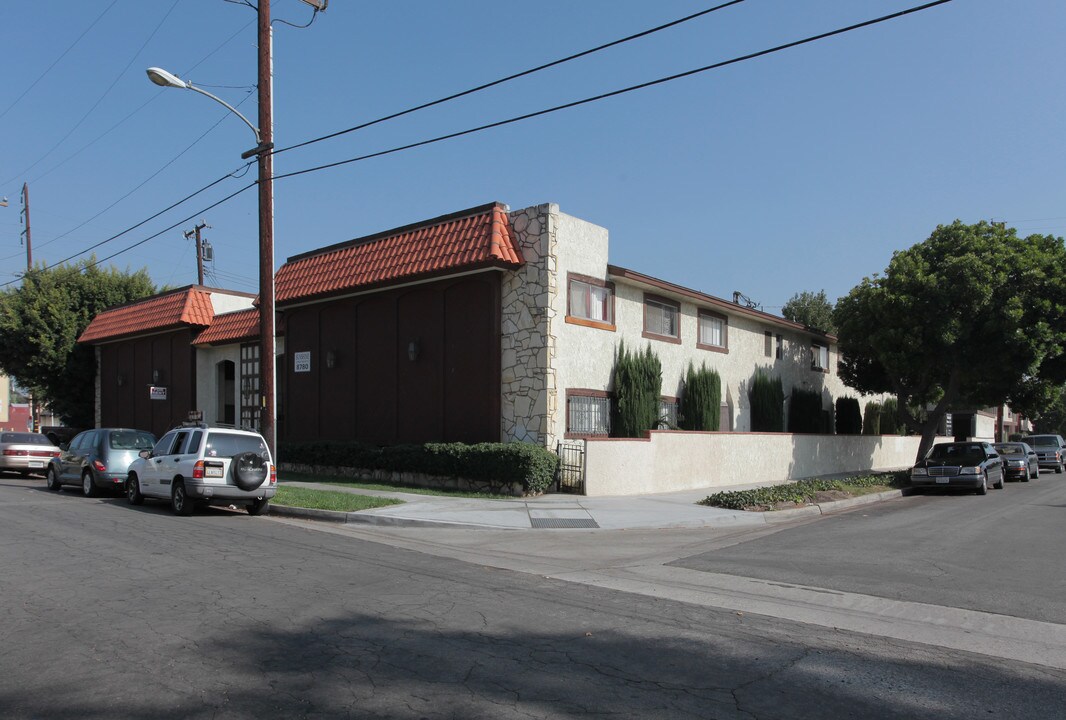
pixel 811 309
pixel 40 321
pixel 702 404
pixel 767 398
pixel 638 379
pixel 1053 419
pixel 972 317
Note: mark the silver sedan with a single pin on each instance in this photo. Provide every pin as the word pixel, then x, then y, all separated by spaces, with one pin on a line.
pixel 26 453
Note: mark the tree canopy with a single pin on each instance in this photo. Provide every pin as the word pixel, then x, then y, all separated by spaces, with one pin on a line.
pixel 812 309
pixel 40 322
pixel 973 317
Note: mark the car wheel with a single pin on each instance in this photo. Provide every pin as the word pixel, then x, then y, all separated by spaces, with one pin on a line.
pixel 180 502
pixel 133 491
pixel 1026 477
pixel 983 490
pixel 258 507
pixel 1058 468
pixel 88 485
pixel 52 480
pixel 1002 481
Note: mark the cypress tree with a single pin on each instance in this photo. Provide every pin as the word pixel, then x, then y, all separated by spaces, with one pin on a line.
pixel 637 384
pixel 849 417
pixel 805 411
pixel 871 419
pixel 701 407
pixel 767 400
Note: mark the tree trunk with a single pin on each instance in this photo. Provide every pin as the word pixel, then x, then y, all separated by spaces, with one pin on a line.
pixel 928 435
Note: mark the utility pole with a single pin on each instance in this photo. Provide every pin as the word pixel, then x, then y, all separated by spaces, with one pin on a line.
pixel 268 407
pixel 199 251
pixel 35 412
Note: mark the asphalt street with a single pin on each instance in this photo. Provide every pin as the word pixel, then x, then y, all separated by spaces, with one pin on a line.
pixel 111 611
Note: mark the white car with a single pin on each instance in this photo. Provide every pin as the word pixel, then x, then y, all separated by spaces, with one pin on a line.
pixel 197 464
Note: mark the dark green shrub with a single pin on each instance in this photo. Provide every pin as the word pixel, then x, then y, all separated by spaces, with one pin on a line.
pixel 805 411
pixel 701 405
pixel 638 379
pixel 889 417
pixel 800 492
pixel 871 419
pixel 849 417
pixel 496 466
pixel 767 400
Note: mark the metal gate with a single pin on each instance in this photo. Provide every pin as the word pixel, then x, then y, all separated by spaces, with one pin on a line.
pixel 571 474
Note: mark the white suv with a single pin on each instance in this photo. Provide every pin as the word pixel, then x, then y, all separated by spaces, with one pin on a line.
pixel 200 465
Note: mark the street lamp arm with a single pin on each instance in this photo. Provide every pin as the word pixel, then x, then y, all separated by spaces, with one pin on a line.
pixel 165 79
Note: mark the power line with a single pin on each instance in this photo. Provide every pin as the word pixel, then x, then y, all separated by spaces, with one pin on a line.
pixel 706 68
pixel 101 98
pixel 56 61
pixel 614 93
pixel 515 76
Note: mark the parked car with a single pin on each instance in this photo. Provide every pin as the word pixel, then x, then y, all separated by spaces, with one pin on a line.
pixel 1050 448
pixel 26 453
pixel 98 459
pixel 1020 462
pixel 971 465
pixel 197 464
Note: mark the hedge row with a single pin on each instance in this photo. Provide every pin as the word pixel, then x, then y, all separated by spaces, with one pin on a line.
pixel 801 492
pixel 495 465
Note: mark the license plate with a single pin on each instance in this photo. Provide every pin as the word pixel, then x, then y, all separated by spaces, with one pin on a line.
pixel 943 481
pixel 36 463
pixel 213 472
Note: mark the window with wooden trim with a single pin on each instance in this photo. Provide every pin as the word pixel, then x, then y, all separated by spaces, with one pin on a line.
pixel 819 357
pixel 588 414
pixel 590 300
pixel 712 331
pixel 780 347
pixel 768 343
pixel 662 318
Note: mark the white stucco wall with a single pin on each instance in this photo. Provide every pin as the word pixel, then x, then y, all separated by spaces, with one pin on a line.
pixel 669 461
pixel 207 359
pixel 223 302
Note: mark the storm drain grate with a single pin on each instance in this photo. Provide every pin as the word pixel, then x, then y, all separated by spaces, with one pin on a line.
pixel 563 523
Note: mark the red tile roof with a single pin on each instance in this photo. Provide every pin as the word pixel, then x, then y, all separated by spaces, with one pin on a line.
pixel 230 328
pixel 472 239
pixel 185 307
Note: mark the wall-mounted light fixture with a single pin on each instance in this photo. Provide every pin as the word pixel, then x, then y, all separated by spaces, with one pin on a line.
pixel 156 377
pixel 412 350
pixel 331 359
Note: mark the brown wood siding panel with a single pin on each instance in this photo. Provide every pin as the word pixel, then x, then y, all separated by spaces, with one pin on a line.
pixel 302 396
pixel 376 359
pixel 420 391
pixel 471 356
pixel 337 385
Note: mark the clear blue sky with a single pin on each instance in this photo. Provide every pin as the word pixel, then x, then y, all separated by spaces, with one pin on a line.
pixel 802 170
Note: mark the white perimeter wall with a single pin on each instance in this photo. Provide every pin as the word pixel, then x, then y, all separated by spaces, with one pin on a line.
pixel 676 460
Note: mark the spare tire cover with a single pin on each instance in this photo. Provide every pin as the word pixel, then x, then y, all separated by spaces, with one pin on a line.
pixel 249 470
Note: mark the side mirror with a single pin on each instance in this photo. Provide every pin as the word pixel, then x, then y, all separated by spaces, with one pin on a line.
pixel 145 454
pixel 64 446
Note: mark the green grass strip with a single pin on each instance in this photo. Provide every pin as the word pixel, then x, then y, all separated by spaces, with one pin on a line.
pixel 329 500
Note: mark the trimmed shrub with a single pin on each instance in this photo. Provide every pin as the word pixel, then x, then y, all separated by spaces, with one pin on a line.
pixel 701 406
pixel 871 419
pixel 849 417
pixel 638 380
pixel 767 400
pixel 495 465
pixel 805 411
pixel 889 420
pixel 801 492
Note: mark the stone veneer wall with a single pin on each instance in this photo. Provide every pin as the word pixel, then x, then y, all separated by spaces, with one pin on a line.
pixel 528 345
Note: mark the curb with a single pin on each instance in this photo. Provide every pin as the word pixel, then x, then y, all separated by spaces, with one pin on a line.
pixel 776 516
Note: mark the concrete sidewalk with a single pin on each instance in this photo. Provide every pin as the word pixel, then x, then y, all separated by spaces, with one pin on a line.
pixel 559 511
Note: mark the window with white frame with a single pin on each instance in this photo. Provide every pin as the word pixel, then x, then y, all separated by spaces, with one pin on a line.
pixel 661 318
pixel 819 357
pixel 712 331
pixel 591 301
pixel 588 414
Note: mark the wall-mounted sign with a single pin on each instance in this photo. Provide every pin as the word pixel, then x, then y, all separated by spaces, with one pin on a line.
pixel 196 416
pixel 301 361
pixel 157 392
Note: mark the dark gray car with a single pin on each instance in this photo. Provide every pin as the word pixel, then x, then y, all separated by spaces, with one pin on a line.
pixel 1050 448
pixel 970 465
pixel 98 459
pixel 1020 462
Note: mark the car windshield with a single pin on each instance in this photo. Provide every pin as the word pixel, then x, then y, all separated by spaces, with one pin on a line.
pixel 130 440
pixel 1010 449
pixel 223 444
pixel 24 438
pixel 1044 441
pixel 959 453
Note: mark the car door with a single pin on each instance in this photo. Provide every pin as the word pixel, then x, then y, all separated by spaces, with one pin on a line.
pixel 152 471
pixel 68 459
pixel 994 465
pixel 166 466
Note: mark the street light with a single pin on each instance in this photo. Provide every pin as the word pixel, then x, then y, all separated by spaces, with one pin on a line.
pixel 264 138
